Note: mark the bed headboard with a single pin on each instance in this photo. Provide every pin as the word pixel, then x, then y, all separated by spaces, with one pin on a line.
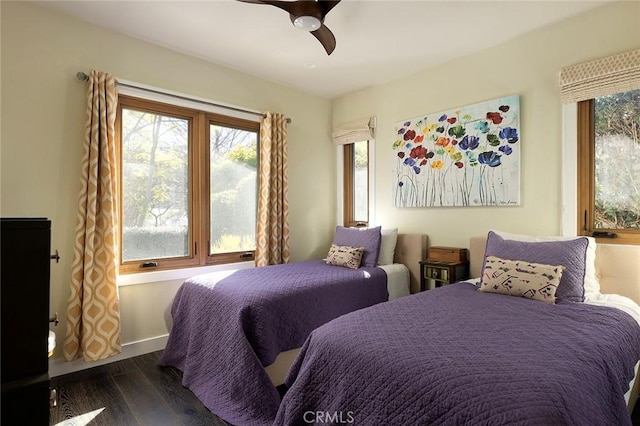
pixel 617 267
pixel 410 250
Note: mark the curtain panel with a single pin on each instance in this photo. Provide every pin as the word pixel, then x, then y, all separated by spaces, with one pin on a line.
pixel 272 234
pixel 93 314
pixel 600 77
pixel 355 131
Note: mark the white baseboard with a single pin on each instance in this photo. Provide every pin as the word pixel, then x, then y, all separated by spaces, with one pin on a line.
pixel 58 367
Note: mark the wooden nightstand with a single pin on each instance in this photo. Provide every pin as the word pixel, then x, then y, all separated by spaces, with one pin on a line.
pixel 436 274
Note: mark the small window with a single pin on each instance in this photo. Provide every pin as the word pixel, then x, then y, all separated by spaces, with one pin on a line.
pixel 609 167
pixel 356 184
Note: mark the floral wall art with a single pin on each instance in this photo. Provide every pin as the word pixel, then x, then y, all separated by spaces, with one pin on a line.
pixel 468 156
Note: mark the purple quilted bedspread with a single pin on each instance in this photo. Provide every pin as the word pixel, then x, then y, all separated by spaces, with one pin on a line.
pixel 224 334
pixel 455 356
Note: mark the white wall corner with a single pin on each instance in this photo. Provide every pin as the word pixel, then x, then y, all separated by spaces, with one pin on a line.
pixel 569 162
pixel 340 185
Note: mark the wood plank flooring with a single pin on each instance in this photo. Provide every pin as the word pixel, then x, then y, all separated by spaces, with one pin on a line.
pixel 133 391
pixel 136 391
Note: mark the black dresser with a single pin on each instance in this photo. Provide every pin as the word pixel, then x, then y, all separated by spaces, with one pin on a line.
pixel 24 283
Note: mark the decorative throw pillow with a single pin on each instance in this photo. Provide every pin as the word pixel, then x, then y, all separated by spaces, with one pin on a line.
pixel 520 278
pixel 349 257
pixel 591 283
pixel 369 238
pixel 571 254
pixel 387 246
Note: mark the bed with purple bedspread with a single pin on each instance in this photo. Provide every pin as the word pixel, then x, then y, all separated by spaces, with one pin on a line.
pixel 454 355
pixel 225 333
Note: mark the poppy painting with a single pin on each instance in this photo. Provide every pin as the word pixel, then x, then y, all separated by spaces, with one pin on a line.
pixel 468 156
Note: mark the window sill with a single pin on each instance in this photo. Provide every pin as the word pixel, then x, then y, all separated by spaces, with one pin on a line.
pixel 178 274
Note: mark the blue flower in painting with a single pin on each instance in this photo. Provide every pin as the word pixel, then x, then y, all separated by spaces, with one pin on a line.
pixel 482 126
pixel 401 131
pixel 408 146
pixel 407 123
pixel 490 158
pixel 442 117
pixel 506 149
pixel 416 169
pixel 469 142
pixel 510 134
pixel 409 162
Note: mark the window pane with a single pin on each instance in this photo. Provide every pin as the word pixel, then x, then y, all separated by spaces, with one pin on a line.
pixel 155 186
pixel 233 183
pixel 617 161
pixel 361 182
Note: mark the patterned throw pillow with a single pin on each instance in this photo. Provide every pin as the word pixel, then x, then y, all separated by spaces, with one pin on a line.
pixel 520 278
pixel 349 257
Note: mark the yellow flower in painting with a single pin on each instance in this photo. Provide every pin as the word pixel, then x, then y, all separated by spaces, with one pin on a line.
pixel 450 149
pixel 437 164
pixel 458 112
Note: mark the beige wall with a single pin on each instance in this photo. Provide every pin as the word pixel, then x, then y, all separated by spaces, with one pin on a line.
pixel 42 118
pixel 42 128
pixel 528 66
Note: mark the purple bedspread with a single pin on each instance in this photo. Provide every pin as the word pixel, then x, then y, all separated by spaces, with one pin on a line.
pixel 457 356
pixel 224 334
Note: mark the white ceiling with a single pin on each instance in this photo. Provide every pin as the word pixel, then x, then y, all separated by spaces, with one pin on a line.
pixel 377 40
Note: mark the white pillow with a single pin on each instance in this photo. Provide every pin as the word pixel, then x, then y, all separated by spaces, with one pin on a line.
pixel 387 246
pixel 591 284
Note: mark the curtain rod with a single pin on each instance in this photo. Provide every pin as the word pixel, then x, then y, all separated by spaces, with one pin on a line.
pixel 84 77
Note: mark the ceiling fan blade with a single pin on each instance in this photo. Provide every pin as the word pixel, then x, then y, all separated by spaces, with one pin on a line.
pixel 328 5
pixel 319 9
pixel 326 37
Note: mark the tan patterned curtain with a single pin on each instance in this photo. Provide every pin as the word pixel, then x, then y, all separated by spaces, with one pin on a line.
pixel 600 77
pixel 272 239
pixel 93 315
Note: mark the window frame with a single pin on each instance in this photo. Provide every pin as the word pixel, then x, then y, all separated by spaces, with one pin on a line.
pixel 348 185
pixel 586 180
pixel 238 123
pixel 199 155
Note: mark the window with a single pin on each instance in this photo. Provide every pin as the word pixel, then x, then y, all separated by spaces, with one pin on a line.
pixel 609 167
pixel 188 185
pixel 356 184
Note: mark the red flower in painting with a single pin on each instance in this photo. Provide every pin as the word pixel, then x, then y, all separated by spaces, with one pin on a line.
pixel 452 120
pixel 495 117
pixel 418 152
pixel 401 154
pixel 418 139
pixel 409 135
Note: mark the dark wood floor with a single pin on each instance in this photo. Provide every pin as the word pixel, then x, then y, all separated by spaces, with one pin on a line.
pixel 136 391
pixel 133 391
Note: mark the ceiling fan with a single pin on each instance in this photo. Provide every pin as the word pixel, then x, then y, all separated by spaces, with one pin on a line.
pixel 307 15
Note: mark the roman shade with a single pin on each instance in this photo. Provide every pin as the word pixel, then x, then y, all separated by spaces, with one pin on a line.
pixel 354 131
pixel 600 77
